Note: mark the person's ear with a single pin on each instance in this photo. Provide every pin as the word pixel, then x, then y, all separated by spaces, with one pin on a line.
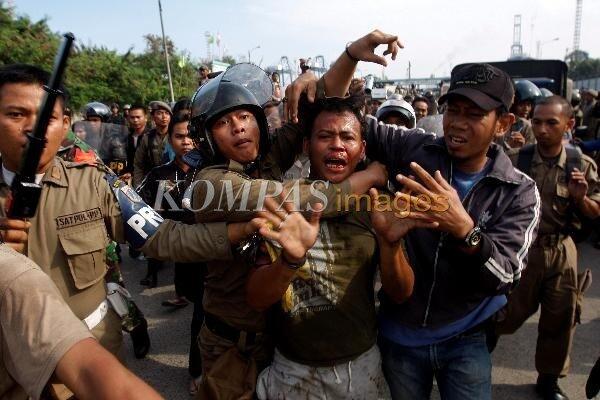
pixel 503 123
pixel 571 124
pixel 66 125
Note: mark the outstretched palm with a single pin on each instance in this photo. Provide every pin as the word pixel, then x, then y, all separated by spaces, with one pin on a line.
pixel 292 231
pixel 392 225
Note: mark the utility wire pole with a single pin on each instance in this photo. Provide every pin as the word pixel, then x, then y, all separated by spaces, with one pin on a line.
pixel 162 27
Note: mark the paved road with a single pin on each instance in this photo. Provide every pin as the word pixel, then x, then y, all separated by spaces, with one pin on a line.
pixel 165 368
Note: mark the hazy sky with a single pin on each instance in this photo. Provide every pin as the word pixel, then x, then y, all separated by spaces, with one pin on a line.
pixel 436 34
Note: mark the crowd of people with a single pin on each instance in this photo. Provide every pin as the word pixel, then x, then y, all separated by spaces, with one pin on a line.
pixel 332 246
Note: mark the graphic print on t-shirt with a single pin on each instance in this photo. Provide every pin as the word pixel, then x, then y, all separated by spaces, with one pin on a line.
pixel 313 289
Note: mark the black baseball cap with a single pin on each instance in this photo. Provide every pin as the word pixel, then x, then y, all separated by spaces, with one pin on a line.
pixel 485 85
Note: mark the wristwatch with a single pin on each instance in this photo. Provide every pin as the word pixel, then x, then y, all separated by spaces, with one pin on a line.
pixel 292 265
pixel 473 238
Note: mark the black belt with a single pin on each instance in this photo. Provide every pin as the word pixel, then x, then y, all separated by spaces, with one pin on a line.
pixel 226 331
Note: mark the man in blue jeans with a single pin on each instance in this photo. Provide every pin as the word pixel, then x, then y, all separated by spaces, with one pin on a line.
pixel 487 214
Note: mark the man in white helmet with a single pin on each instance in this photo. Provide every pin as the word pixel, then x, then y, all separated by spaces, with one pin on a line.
pixel 396 111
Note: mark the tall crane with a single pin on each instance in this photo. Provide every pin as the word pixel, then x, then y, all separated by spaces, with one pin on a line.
pixel 286 70
pixel 516 50
pixel 577 33
pixel 318 65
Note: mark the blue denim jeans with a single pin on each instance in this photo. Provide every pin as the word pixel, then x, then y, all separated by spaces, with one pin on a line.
pixel 461 366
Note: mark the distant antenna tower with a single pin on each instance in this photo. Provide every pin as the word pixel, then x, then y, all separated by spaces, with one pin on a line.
pixel 516 50
pixel 577 34
pixel 209 42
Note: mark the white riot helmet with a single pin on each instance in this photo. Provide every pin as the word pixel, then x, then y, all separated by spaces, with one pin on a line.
pixel 396 104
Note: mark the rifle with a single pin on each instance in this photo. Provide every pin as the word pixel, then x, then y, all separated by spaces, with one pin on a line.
pixel 25 193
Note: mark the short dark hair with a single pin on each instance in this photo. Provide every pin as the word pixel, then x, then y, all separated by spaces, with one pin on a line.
pixel 138 106
pixel 566 107
pixel 422 99
pixel 29 74
pixel 183 104
pixel 308 112
pixel 177 119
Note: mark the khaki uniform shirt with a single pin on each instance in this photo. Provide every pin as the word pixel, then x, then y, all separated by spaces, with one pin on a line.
pixel 552 184
pixel 36 327
pixel 77 214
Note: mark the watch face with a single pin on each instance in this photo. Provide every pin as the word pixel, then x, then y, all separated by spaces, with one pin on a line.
pixel 474 237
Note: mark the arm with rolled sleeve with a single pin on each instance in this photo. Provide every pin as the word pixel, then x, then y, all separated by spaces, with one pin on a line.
pixel 36 326
pixel 224 195
pixel 172 240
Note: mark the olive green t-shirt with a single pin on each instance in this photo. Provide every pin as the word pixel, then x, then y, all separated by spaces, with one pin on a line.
pixel 327 315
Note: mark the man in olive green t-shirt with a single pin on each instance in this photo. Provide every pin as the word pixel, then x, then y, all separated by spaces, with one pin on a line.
pixel 325 318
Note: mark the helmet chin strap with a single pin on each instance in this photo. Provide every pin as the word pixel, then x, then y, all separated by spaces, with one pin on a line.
pixel 252 166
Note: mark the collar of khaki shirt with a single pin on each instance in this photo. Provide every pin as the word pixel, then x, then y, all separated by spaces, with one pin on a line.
pixel 56 174
pixel 562 159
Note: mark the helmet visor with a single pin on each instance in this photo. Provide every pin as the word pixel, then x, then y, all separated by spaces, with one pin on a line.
pixel 252 78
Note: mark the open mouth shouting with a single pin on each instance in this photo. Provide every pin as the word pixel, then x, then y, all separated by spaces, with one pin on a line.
pixel 336 162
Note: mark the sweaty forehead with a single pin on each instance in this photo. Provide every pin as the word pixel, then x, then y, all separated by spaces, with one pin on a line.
pixel 336 122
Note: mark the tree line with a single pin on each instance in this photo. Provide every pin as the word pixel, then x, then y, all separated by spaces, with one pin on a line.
pixel 96 73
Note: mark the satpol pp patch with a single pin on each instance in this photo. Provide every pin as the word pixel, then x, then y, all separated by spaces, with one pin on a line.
pixel 78 218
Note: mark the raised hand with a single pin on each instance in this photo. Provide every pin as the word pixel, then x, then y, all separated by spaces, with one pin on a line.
pixel 295 234
pixel 437 201
pixel 392 225
pixel 363 49
pixel 516 140
pixel 306 82
pixel 578 186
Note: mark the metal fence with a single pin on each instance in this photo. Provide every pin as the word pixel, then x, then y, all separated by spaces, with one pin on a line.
pixel 593 83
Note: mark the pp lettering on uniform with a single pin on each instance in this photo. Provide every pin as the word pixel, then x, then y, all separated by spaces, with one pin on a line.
pixel 78 218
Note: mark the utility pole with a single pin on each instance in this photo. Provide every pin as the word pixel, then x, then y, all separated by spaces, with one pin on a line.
pixel 162 27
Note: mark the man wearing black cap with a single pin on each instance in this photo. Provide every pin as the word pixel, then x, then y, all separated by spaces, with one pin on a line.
pixel 487 214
